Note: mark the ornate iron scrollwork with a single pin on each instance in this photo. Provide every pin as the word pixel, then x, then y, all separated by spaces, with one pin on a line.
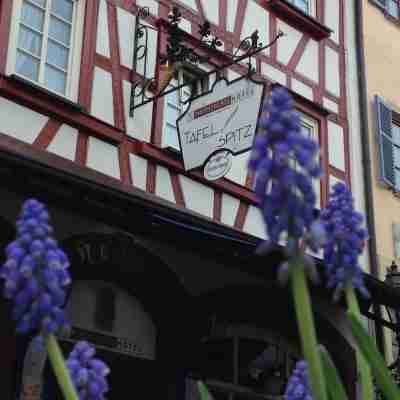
pixel 178 52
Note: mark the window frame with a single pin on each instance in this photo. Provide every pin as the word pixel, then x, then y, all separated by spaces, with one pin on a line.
pixel 203 85
pixel 74 56
pixel 313 123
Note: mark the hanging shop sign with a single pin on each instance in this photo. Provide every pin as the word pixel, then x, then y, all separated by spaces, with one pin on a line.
pixel 219 122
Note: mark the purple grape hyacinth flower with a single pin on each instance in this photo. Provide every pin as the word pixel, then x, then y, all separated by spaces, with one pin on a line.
pixel 36 273
pixel 88 373
pixel 285 161
pixel 298 386
pixel 345 241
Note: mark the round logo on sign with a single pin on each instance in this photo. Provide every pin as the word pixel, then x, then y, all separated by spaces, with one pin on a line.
pixel 218 165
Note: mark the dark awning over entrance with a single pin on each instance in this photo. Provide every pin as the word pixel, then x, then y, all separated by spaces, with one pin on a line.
pixel 51 178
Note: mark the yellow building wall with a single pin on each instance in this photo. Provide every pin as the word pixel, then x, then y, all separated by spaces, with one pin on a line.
pixel 382 59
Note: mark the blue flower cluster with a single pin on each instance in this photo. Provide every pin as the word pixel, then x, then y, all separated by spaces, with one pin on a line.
pixel 88 373
pixel 298 386
pixel 285 161
pixel 36 273
pixel 345 241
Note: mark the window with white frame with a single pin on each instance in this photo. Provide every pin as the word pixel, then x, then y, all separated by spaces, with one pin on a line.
pixel 304 5
pixel 44 39
pixel 309 128
pixel 177 102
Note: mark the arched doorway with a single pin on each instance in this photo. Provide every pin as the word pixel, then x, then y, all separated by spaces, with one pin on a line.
pixel 251 344
pixel 130 306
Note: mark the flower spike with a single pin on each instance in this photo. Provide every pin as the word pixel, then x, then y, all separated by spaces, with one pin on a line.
pixel 298 386
pixel 36 273
pixel 285 192
pixel 345 242
pixel 88 373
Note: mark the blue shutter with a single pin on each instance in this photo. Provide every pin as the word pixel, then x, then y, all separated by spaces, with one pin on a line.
pixel 384 124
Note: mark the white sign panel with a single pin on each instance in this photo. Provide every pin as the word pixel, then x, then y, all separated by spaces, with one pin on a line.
pixel 223 119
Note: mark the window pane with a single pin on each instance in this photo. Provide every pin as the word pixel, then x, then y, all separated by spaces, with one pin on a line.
pixel 387 153
pixel 32 16
pixel 57 55
pixel 27 66
pixel 397 179
pixel 60 31
pixel 171 137
pixel 396 156
pixel 393 8
pixel 396 134
pixel 55 79
pixel 30 41
pixel 63 8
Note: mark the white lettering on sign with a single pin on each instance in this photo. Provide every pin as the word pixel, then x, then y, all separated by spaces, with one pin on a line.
pixel 223 119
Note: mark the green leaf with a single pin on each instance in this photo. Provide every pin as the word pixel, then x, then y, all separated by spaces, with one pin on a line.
pixel 204 393
pixel 334 383
pixel 376 362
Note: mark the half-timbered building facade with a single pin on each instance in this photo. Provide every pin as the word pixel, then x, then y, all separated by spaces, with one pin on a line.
pixel 166 283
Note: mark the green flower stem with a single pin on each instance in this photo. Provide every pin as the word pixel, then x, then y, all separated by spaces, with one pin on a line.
pixel 60 370
pixel 305 322
pixel 362 364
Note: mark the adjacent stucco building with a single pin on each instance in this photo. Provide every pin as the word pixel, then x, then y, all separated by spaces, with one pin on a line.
pixel 379 42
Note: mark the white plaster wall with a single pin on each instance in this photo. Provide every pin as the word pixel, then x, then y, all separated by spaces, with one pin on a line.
pixel 151 55
pixel 232 75
pixel 189 3
pixel 126 32
pixel 102 106
pixel 138 126
pixel 332 18
pixel 287 44
pixel 152 4
pixel 103 157
pixel 20 122
pixel 302 89
pixel 332 71
pixel 102 42
pixel 238 171
pixel 229 209
pixel 164 184
pixel 254 224
pixel 273 73
pixel 211 11
pixel 138 171
pixel 185 25
pixel 64 143
pixel 336 145
pixel 198 197
pixel 330 105
pixel 309 61
pixel 256 17
pixel 232 6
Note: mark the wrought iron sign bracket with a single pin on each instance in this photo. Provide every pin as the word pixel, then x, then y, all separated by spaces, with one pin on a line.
pixel 177 53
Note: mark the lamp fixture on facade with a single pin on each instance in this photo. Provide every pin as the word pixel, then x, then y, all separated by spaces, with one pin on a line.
pixel 393 279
